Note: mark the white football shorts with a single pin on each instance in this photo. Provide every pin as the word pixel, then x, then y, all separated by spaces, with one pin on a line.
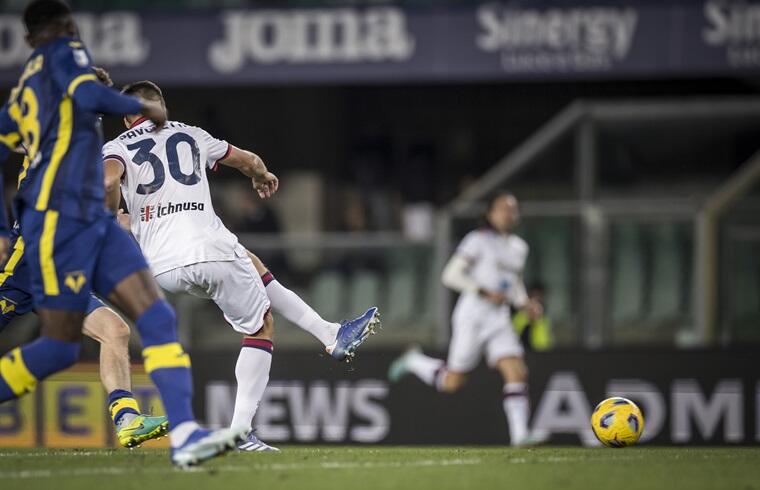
pixel 235 286
pixel 479 329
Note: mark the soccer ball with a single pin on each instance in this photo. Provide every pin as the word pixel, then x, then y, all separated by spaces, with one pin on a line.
pixel 617 422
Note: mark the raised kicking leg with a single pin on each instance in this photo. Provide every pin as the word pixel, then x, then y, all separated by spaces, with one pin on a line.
pixel 340 339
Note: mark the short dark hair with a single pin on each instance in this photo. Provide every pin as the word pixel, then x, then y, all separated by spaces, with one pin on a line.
pixel 496 196
pixel 483 221
pixel 145 89
pixel 41 13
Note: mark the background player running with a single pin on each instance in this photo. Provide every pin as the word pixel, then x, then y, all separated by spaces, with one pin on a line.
pixel 486 270
pixel 74 244
pixel 164 182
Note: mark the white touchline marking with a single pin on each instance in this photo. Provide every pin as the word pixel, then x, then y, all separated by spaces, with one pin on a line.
pixel 329 465
pixel 326 465
pixel 39 454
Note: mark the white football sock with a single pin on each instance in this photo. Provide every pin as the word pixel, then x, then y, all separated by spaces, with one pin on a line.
pixel 516 408
pixel 252 374
pixel 291 306
pixel 424 367
pixel 179 434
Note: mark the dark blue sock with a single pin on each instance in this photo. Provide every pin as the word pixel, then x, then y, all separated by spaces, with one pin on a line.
pixel 165 361
pixel 158 324
pixel 120 403
pixel 177 383
pixel 23 367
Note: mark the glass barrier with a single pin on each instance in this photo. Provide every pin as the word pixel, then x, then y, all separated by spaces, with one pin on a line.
pixel 650 280
pixel 551 267
pixel 739 266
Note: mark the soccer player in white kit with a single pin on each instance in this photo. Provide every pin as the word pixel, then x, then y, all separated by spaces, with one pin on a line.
pixel 162 175
pixel 486 270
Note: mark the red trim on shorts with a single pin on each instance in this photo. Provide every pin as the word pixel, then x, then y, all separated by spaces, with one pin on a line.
pixel 262 344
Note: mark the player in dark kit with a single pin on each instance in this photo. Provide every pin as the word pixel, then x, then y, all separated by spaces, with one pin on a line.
pixel 73 244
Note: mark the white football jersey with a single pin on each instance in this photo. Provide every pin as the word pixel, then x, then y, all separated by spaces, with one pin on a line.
pixel 496 263
pixel 167 193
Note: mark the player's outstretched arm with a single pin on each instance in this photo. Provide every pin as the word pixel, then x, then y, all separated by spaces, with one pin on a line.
pixel 73 73
pixel 251 165
pixel 93 96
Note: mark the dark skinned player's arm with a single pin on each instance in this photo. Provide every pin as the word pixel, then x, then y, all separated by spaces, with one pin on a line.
pixel 93 96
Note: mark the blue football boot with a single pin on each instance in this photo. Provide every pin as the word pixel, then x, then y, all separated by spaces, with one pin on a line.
pixel 353 333
pixel 205 444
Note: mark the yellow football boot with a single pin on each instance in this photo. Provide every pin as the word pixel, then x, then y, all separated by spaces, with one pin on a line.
pixel 142 428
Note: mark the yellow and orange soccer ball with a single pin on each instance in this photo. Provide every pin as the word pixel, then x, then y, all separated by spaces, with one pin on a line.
pixel 617 422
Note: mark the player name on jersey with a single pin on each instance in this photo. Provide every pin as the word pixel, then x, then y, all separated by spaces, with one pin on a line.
pixel 143 130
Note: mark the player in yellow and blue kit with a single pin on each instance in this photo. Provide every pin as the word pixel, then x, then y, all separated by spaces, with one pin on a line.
pixel 73 244
pixel 103 325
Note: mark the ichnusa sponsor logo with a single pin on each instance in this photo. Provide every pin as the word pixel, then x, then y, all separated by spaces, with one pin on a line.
pixel 155 211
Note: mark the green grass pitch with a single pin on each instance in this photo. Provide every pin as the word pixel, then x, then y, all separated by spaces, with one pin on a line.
pixel 369 468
